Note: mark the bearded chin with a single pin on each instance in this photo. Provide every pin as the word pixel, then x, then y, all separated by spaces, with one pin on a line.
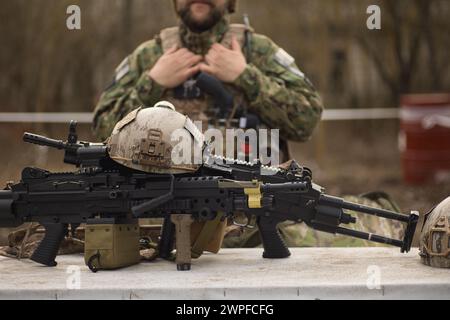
pixel 200 26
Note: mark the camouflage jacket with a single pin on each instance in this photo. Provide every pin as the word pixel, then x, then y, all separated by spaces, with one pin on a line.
pixel 272 85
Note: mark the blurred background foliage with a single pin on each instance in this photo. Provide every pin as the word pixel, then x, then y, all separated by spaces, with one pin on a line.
pixel 46 67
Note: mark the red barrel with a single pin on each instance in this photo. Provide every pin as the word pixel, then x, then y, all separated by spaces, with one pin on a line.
pixel 425 137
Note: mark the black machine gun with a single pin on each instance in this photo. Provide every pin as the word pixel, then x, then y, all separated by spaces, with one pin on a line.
pixel 101 188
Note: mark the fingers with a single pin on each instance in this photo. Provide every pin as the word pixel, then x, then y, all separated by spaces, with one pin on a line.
pixel 212 57
pixel 217 47
pixel 206 68
pixel 186 64
pixel 186 54
pixel 183 53
pixel 192 71
pixel 195 59
pixel 172 50
pixel 209 58
pixel 183 59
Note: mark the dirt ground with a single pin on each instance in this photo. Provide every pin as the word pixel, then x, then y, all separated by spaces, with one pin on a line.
pixel 347 158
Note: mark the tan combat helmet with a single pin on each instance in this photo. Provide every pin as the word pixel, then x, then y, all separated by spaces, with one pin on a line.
pixel 145 139
pixel 231 6
pixel 435 237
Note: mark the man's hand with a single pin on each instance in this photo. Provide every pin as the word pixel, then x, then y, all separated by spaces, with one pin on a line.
pixel 175 67
pixel 225 64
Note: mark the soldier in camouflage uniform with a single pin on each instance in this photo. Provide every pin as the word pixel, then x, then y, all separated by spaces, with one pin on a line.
pixel 263 78
pixel 271 85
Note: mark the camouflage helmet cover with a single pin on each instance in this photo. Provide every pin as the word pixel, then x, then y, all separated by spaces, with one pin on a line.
pixel 231 5
pixel 146 139
pixel 435 237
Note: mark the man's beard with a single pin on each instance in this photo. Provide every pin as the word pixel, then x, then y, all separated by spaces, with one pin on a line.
pixel 213 18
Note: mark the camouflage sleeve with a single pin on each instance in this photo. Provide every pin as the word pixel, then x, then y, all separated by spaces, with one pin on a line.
pixel 131 88
pixel 279 92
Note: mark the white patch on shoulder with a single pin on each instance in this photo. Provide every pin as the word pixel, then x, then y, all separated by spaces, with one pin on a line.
pixel 123 69
pixel 284 58
pixel 297 72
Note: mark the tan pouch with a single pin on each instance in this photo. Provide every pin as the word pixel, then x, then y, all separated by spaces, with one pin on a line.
pixel 111 246
pixel 207 236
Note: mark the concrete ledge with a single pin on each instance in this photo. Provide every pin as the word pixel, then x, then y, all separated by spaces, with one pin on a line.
pixel 310 273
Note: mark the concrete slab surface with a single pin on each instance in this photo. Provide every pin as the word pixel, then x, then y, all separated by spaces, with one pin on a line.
pixel 310 273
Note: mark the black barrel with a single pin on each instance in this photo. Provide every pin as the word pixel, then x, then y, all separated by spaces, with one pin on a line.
pixel 43 141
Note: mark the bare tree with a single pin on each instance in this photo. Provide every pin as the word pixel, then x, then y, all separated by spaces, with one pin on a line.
pixel 409 29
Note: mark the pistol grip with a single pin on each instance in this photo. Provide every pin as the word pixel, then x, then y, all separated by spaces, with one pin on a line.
pixel 274 245
pixel 48 248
